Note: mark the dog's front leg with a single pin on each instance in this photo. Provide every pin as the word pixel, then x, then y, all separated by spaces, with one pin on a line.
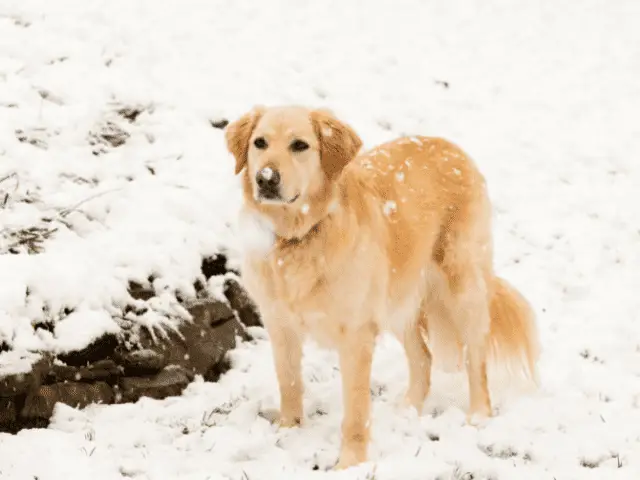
pixel 356 353
pixel 287 355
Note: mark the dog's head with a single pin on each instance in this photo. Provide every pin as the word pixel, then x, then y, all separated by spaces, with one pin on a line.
pixel 290 155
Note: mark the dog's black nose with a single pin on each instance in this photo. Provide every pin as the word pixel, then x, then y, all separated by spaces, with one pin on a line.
pixel 268 180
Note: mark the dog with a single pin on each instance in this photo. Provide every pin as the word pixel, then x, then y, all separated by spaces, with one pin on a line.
pixel 396 239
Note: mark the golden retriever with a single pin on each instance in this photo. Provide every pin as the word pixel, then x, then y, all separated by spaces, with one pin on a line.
pixel 396 239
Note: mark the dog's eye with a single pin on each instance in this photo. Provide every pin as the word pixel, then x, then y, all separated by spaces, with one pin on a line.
pixel 299 146
pixel 260 143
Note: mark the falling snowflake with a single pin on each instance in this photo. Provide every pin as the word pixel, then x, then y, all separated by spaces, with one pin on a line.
pixel 389 207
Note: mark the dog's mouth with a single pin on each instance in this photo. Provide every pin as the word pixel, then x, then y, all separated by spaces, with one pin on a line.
pixel 276 199
pixel 295 197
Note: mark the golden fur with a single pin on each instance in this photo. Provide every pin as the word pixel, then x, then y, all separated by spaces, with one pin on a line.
pixel 395 239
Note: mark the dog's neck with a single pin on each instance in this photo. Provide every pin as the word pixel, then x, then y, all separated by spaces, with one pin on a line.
pixel 308 220
pixel 283 242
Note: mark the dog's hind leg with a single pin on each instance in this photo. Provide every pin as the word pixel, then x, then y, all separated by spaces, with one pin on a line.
pixel 467 265
pixel 468 306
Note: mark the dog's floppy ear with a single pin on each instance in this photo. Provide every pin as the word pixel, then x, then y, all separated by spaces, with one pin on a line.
pixel 339 143
pixel 238 134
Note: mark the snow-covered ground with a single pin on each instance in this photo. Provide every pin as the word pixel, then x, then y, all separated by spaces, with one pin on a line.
pixel 544 95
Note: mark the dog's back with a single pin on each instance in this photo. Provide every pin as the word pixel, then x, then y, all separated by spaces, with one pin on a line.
pixel 428 189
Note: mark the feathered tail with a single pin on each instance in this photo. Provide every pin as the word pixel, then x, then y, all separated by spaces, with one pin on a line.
pixel 513 335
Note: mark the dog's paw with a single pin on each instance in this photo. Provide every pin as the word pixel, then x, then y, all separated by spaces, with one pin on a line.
pixel 351 456
pixel 478 419
pixel 289 422
pixel 413 401
pixel 346 461
pixel 274 417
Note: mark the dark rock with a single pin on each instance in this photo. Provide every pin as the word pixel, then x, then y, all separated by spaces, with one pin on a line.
pixel 207 346
pixel 219 123
pixel 48 326
pixel 219 369
pixel 209 312
pixel 200 288
pixel 205 340
pixel 8 413
pixel 18 384
pixel 239 300
pixel 169 382
pixel 212 266
pixel 100 349
pixel 41 403
pixel 141 362
pixel 140 292
pixel 105 370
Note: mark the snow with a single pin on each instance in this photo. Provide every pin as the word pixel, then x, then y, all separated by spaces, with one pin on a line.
pixel 16 362
pixel 543 95
pixel 266 173
pixel 389 207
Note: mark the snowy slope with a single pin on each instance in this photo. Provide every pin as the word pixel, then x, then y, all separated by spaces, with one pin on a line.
pixel 544 95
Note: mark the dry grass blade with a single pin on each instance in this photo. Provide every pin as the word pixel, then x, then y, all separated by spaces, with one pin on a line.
pixel 32 238
pixel 11 175
pixel 67 211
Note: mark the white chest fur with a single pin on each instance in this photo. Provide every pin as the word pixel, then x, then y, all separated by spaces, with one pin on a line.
pixel 321 293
